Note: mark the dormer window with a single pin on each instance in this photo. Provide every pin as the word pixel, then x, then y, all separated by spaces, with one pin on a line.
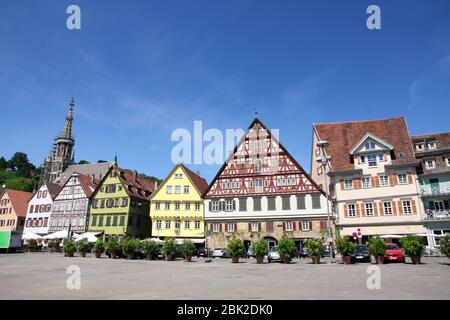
pixel 432 145
pixel 419 146
pixel 363 159
pixel 370 145
pixel 430 164
pixel 372 160
pixel 447 161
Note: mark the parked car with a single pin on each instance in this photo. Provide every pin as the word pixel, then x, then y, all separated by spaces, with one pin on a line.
pixel 159 253
pixel 202 252
pixel 302 253
pixel 393 253
pixel 250 253
pixel 361 254
pixel 273 254
pixel 218 253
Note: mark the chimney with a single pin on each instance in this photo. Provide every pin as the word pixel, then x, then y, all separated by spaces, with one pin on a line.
pixel 135 175
pixel 156 185
pixel 93 178
pixel 198 173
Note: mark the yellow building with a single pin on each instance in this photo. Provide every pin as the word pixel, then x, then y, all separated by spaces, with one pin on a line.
pixel 176 207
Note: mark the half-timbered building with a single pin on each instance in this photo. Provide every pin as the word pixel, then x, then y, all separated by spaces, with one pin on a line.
pixel 262 192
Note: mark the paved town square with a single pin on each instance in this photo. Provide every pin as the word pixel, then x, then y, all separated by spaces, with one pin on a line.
pixel 45 276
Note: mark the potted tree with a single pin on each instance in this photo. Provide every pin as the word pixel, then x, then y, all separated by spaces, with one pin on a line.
pixel 169 249
pixel 188 249
pixel 260 250
pixel 130 247
pixel 444 244
pixel 150 249
pixel 315 249
pixel 54 246
pixel 376 248
pixel 413 247
pixel 113 247
pixel 345 248
pixel 32 245
pixel 235 249
pixel 286 249
pixel 98 249
pixel 83 246
pixel 69 248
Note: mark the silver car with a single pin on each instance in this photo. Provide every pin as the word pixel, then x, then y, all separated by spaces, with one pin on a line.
pixel 218 253
pixel 273 254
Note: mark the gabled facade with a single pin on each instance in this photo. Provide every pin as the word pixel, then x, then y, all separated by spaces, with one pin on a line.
pixel 177 206
pixel 13 209
pixel 39 209
pixel 433 151
pixel 120 205
pixel 71 204
pixel 262 192
pixel 373 176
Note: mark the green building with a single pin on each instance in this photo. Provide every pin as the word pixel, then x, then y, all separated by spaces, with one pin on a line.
pixel 120 204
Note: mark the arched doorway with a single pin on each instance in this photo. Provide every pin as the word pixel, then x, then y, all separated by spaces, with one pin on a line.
pixel 271 241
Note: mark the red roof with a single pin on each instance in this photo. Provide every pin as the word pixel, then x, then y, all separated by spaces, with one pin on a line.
pixel 136 185
pixel 19 201
pixel 87 184
pixel 200 183
pixel 343 136
pixel 442 140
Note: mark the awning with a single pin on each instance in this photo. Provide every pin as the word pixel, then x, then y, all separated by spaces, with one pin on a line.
pixel 62 234
pixel 391 236
pixel 31 236
pixel 194 240
pixel 89 236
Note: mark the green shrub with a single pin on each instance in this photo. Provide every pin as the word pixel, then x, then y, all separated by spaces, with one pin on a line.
pixel 32 245
pixel 83 246
pixel 130 246
pixel 314 247
pixel 375 246
pixel 69 247
pixel 187 248
pixel 150 248
pixel 169 247
pixel 444 244
pixel 260 248
pixel 286 248
pixel 344 246
pixel 412 246
pixel 235 248
pixel 54 245
pixel 99 246
pixel 113 247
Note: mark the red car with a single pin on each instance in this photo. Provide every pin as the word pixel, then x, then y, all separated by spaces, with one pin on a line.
pixel 393 253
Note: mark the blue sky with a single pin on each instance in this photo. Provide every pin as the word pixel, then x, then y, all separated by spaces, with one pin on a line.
pixel 140 69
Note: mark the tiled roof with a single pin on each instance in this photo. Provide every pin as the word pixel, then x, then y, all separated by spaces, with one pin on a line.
pixel 136 185
pixel 343 136
pixel 199 182
pixel 97 170
pixel 88 184
pixel 53 188
pixel 442 140
pixel 19 201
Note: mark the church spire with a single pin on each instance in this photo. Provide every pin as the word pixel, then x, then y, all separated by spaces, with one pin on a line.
pixel 67 132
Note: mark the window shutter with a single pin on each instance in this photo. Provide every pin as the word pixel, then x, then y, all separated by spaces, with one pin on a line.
pixel 220 227
pixel 380 208
pixel 356 183
pixel 294 225
pixel 400 209
pixel 393 178
pixel 345 210
pixel 234 205
pixel 284 226
pixel 259 226
pixel 394 208
pixel 375 209
pixel 235 227
pixel 210 206
pixel 222 205
pixel 342 184
pixel 410 178
pixel 249 227
pixel 310 226
pixel 211 226
pixel 446 204
pixel 226 227
pixel 431 205
pixel 374 181
pixel 413 207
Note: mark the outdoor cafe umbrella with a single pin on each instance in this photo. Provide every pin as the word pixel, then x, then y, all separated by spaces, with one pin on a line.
pixel 391 236
pixel 31 236
pixel 62 234
pixel 89 236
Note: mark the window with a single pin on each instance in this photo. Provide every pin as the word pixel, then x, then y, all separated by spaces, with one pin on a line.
pixel 372 160
pixel 369 209
pixel 242 204
pixel 315 201
pixel 305 225
pixel 250 184
pixel 363 158
pixel 102 203
pixel 215 205
pixel 100 221
pixel 108 221
pixel 216 227
pixel 187 206
pixel 432 145
pixel 447 161
pixel 177 189
pixel 177 206
pixel 158 224
pixel 177 224
pixel 352 210
pixel 197 206
pixel 384 181
pixel 366 182
pixel 407 207
pixel 271 203
pixel 124 202
pixel 381 156
pixel 167 224
pixel 119 188
pixel 370 145
pixel 301 204
pixel 122 221
pixel 348 183
pixel 419 146
pixel 187 225
pixel 158 206
pixel 430 164
pixel 116 203
pixel 387 208
pixel 167 205
pixel 110 188
pixel 257 166
pixel 94 221
pixel 286 203
pixel 115 220
pixel 255 226
pixel 258 185
pixel 168 189
pixel 229 205
pixel 402 179
pixel 186 189
pixel 289 226
pixel 31 209
pixel 197 225
pixel 257 204
pixel 39 194
pixel 230 227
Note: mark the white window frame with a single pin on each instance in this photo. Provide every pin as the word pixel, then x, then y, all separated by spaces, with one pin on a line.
pixel 403 179
pixel 186 189
pixel 384 180
pixel 432 145
pixel 197 206
pixel 387 208
pixel 187 206
pixel 439 206
pixel 433 164
pixel 177 224
pixel 197 225
pixel 407 207
pixel 352 210
pixel 158 224
pixel 366 185
pixel 167 206
pixel 372 160
pixel 216 227
pixel 177 189
pixel 168 189
pixel 187 224
pixel 230 227
pixel 168 224
pixel 228 205
pixel 177 206
pixel 289 226
pixel 215 205
pixel 305 225
pixel 157 206
pixel 348 184
pixel 369 209
pixel 254 226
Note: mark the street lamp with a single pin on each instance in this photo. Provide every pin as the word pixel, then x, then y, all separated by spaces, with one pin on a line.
pixel 324 162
